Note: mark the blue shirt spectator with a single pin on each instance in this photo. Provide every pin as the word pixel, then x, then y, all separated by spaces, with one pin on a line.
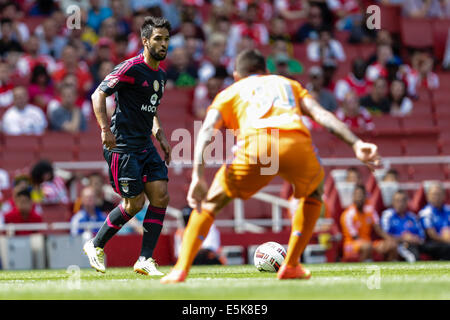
pixel 97 14
pixel 398 224
pixel 435 218
pixel 88 213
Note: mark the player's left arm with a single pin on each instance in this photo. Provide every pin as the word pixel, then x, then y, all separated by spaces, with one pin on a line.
pixel 159 134
pixel 365 152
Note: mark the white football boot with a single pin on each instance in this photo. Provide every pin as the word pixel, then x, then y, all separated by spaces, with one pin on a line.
pixel 96 256
pixel 147 267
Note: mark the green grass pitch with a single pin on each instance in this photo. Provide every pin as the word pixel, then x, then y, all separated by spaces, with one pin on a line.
pixel 423 280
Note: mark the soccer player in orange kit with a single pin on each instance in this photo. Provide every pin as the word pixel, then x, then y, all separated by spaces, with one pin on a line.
pixel 266 110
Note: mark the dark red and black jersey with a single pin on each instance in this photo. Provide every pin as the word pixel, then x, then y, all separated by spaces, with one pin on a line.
pixel 138 90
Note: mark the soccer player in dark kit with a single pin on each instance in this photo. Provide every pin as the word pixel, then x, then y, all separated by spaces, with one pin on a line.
pixel 136 170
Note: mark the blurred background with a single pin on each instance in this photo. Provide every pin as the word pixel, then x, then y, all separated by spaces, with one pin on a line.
pixel 390 85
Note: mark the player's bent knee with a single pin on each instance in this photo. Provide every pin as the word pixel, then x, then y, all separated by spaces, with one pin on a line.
pixel 318 193
pixel 134 205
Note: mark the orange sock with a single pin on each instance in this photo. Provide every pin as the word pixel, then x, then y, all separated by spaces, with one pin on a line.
pixel 196 231
pixel 303 223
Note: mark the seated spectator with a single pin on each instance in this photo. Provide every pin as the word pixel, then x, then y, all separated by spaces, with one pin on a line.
pixel 378 68
pixel 280 54
pixel 88 212
pixel 4 179
pixel 210 251
pixel 97 182
pixel 325 47
pixel 23 211
pixel 41 89
pixel 420 73
pixel 50 43
pixel 23 118
pixel 377 102
pixel 81 102
pixel 11 10
pixel 357 222
pixel 67 116
pixel 278 30
pixel 401 105
pixel 291 9
pixel 97 14
pixel 353 175
pixel 71 64
pixel 103 53
pixel 28 61
pixel 426 9
pixel 435 219
pixel 187 30
pixel 7 40
pixel 215 57
pixel 310 29
pixel 119 12
pixel 181 72
pixel 6 86
pixel 248 26
pixel 353 114
pixel 204 94
pixel 404 227
pixel 391 175
pixel 48 188
pixel 315 87
pixel 355 81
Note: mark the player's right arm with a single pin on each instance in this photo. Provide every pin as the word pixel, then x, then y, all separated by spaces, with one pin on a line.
pixel 365 152
pixel 198 188
pixel 99 106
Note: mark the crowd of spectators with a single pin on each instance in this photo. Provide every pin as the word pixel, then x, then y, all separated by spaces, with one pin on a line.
pixel 49 71
pixel 58 65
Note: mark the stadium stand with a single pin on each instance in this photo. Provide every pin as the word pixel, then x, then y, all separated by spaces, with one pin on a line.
pixel 423 133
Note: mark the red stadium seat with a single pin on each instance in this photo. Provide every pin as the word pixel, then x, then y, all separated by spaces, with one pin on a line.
pixel 58 141
pixel 443 121
pixel 29 143
pixel 416 146
pixel 440 33
pixel 422 109
pixel 386 122
pixel 413 122
pixel 429 171
pixel 391 17
pixel 417 32
pixel 388 146
pixel 55 213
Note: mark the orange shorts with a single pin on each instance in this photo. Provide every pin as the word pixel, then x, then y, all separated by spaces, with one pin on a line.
pixel 352 248
pixel 259 158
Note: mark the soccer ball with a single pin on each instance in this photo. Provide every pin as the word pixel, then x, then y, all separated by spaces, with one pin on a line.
pixel 269 256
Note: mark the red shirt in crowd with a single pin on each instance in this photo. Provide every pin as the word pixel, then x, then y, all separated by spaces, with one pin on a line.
pixel 14 216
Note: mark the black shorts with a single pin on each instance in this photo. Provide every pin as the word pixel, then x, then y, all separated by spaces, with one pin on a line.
pixel 129 171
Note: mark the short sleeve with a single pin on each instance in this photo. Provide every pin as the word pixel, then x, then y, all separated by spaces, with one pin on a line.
pixel 223 102
pixel 117 78
pixel 299 91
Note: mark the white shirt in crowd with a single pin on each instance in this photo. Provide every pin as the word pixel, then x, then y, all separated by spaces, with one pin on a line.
pixel 333 51
pixel 29 120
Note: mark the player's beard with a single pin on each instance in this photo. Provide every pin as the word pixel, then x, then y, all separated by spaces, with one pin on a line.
pixel 155 55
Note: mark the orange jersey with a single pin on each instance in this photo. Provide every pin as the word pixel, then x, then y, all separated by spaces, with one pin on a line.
pixel 260 102
pixel 358 224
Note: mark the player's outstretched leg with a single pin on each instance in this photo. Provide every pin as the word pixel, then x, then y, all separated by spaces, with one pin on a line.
pixel 115 220
pixel 303 224
pixel 196 231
